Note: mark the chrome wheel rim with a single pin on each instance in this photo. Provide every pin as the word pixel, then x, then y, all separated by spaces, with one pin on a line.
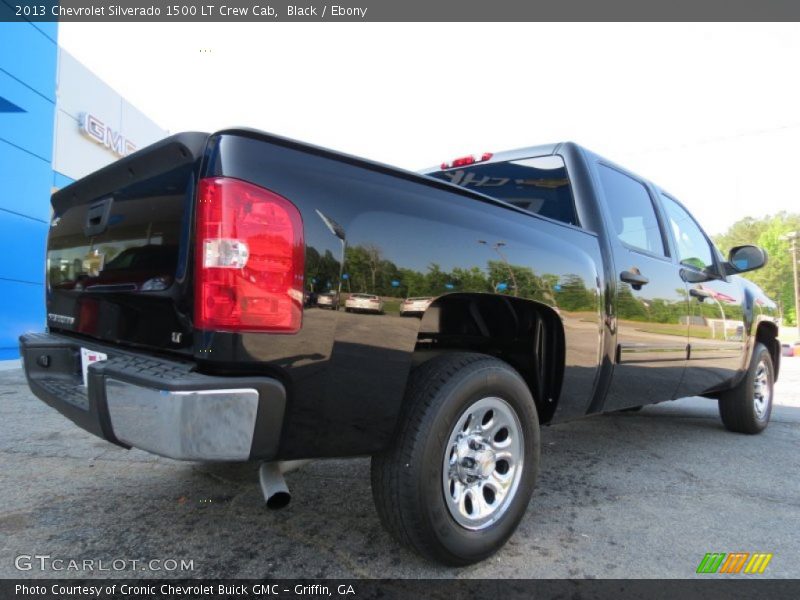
pixel 762 391
pixel 483 463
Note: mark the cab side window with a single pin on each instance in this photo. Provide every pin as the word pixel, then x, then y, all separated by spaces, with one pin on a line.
pixel 693 247
pixel 632 213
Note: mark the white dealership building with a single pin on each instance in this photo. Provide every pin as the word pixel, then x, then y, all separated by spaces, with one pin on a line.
pixel 94 125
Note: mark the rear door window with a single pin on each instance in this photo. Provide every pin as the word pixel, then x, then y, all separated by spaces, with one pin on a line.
pixel 633 216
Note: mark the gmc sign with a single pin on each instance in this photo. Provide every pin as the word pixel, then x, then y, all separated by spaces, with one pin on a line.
pixel 97 131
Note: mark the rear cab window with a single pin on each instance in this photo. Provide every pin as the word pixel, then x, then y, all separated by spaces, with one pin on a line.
pixel 538 184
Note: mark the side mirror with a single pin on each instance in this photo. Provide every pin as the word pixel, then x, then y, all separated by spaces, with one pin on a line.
pixel 745 258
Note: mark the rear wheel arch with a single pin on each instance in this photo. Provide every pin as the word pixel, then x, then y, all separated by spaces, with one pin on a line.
pixel 526 334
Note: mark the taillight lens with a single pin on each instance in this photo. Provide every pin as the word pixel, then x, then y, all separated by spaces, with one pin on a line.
pixel 250 259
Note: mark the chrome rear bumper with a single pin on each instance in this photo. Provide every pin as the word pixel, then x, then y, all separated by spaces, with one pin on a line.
pixel 187 425
pixel 161 406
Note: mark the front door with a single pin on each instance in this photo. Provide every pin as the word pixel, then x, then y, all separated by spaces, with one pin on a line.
pixel 716 323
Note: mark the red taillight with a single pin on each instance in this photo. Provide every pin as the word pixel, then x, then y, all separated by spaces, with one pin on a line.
pixel 249 259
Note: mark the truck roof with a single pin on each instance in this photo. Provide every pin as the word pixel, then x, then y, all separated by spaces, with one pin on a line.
pixel 546 150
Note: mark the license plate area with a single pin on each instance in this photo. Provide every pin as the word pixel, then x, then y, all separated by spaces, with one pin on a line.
pixel 89 357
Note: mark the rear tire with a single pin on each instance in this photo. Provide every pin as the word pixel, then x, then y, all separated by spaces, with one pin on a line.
pixel 748 407
pixel 459 475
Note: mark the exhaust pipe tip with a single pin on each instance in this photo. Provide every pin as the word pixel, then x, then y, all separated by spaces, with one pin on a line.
pixel 278 500
pixel 273 485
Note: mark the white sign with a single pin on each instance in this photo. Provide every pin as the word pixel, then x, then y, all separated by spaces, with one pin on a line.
pixel 97 131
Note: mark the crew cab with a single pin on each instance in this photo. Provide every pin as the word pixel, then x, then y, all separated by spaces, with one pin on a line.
pixel 562 286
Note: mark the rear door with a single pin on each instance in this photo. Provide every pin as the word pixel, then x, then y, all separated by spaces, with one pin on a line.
pixel 651 303
pixel 716 324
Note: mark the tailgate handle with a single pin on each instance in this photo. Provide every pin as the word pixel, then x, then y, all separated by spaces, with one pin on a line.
pixel 97 217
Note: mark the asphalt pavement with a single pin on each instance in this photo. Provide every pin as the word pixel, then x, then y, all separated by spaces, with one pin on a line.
pixel 627 495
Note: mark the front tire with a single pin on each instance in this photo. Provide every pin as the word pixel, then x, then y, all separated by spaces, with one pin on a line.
pixel 748 407
pixel 459 475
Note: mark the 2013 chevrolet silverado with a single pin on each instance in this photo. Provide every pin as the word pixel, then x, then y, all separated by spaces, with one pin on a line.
pixel 563 285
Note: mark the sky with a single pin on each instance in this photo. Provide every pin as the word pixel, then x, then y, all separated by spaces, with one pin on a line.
pixel 710 112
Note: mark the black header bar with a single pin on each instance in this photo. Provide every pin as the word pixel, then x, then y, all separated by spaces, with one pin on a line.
pixel 240 11
pixel 387 589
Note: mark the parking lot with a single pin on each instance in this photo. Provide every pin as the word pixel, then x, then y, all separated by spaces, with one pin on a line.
pixel 642 494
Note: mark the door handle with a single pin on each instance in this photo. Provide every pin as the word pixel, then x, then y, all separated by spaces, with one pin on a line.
pixel 637 280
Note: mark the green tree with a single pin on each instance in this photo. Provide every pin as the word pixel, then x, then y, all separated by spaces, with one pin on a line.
pixel 471 280
pixel 574 296
pixel 776 277
pixel 437 280
pixel 413 282
pixel 357 266
pixel 322 270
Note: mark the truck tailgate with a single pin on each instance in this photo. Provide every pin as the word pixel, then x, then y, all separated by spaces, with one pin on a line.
pixel 118 250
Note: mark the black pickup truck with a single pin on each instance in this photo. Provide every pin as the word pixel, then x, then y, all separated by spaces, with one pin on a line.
pixel 550 284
